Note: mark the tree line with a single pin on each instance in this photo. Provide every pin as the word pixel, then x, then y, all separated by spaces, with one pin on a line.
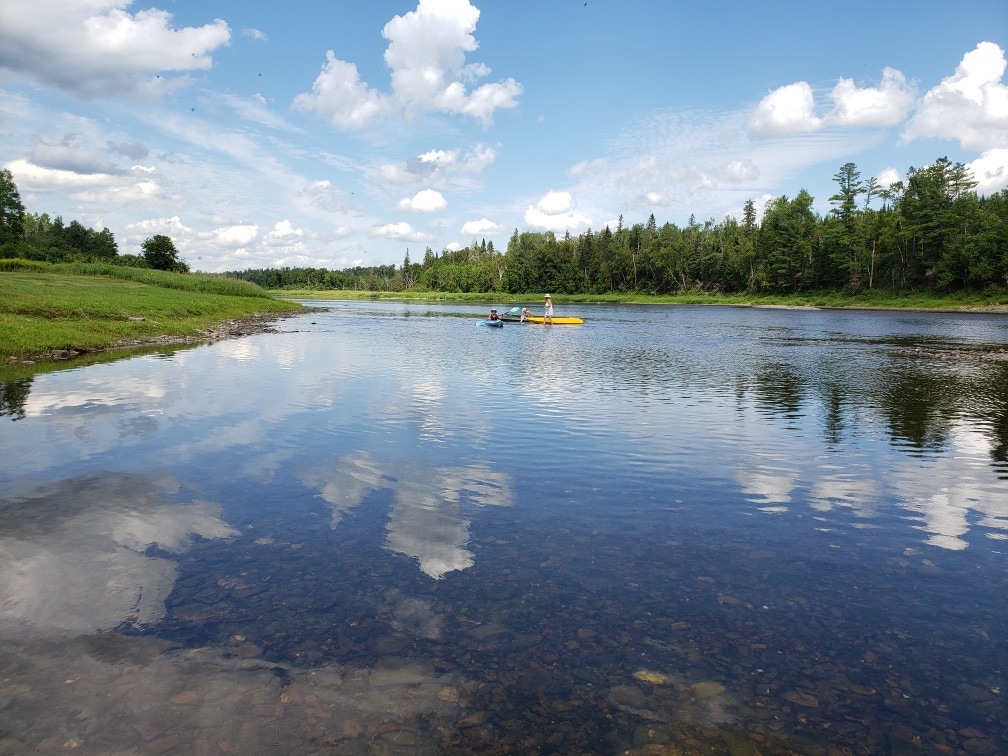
pixel 38 236
pixel 931 233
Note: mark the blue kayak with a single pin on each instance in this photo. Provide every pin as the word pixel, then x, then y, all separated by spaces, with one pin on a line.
pixel 491 323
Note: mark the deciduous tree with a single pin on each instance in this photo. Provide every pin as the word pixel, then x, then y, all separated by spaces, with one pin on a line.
pixel 160 253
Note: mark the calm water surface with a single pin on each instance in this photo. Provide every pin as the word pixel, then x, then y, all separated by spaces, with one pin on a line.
pixel 389 530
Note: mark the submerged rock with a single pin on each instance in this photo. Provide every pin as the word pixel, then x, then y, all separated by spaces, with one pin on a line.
pixel 708 689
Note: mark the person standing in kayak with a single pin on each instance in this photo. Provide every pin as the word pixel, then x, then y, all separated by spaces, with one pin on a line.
pixel 548 312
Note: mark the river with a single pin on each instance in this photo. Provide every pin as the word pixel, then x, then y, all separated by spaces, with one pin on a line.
pixel 386 529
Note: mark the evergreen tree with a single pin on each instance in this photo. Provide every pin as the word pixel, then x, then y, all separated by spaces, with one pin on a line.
pixel 12 210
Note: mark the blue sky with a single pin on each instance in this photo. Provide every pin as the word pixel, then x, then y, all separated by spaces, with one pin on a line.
pixel 335 133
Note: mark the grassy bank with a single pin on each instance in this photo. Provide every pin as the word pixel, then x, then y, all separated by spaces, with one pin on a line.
pixel 864 300
pixel 47 309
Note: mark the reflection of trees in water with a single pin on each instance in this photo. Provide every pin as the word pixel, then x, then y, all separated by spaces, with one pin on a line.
pixel 996 414
pixel 921 403
pixel 13 397
pixel 779 388
pixel 834 401
pixel 920 406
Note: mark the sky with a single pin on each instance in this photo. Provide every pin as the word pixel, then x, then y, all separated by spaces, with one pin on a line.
pixel 324 133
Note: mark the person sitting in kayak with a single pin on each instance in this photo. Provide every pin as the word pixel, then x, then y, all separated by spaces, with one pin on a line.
pixel 493 315
pixel 524 314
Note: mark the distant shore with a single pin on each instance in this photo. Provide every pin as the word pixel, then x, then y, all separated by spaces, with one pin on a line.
pixel 872 300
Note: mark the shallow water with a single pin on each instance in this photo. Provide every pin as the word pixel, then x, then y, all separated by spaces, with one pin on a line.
pixel 386 530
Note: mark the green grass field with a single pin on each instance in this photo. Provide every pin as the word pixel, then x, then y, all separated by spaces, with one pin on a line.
pixel 44 308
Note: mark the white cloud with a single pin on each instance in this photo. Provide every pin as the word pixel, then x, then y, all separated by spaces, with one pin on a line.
pixel 400 231
pixel 254 108
pixel 283 230
pixel 339 94
pixel 482 227
pixel 173 227
pixel 253 33
pixel 438 167
pixel 70 155
pixel 588 167
pixel 323 195
pixel 97 49
pixel 426 201
pixel 970 106
pixel 30 177
pixel 426 58
pixel 885 105
pixel 785 111
pixel 478 158
pixel 555 202
pixel 791 109
pixel 133 150
pixel 141 192
pixel 888 176
pixel 235 236
pixel 555 212
pixel 738 171
pixel 991 171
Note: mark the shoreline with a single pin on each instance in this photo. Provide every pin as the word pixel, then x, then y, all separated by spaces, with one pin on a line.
pixel 234 328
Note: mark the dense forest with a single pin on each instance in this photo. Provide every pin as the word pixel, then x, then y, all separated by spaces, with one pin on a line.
pixel 933 233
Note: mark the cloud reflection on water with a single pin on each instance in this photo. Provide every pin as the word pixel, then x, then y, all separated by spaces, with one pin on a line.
pixel 73 553
pixel 427 521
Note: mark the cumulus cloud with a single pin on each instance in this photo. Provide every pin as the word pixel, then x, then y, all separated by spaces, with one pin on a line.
pixel 438 166
pixel 339 93
pixel 97 49
pixel 970 106
pixel 172 227
pixel 884 105
pixel 791 109
pixel 554 203
pixel 991 171
pixel 69 154
pixel 140 192
pixel 556 212
pixel 284 230
pixel 400 231
pixel 426 201
pixel 86 175
pixel 785 111
pixel 426 58
pixel 32 177
pixel 235 236
pixel 482 227
pixel 888 176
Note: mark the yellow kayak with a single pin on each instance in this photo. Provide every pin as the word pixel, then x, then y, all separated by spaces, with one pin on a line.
pixel 556 320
